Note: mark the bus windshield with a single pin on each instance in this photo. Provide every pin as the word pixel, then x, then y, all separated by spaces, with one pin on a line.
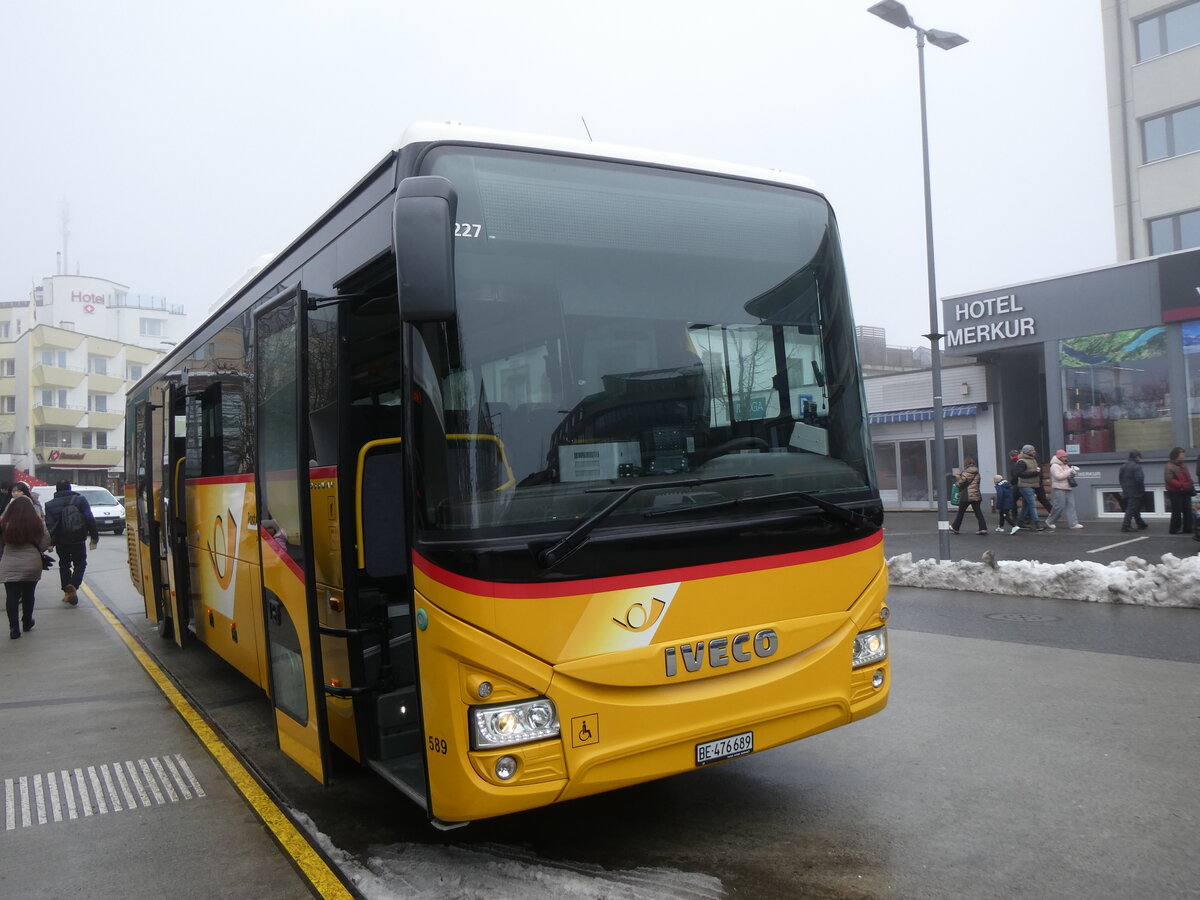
pixel 619 324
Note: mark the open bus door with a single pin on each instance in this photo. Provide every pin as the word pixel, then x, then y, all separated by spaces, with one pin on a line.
pixel 148 525
pixel 285 533
pixel 172 533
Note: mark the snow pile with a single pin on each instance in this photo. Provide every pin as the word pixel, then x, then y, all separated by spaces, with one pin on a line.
pixel 1173 582
pixel 501 872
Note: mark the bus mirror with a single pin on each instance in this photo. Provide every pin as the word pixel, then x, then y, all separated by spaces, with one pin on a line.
pixel 424 243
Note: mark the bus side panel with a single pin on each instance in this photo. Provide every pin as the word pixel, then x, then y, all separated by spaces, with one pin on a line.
pixel 226 581
pixel 454 659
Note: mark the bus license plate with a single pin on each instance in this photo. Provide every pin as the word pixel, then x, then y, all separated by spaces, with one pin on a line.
pixel 725 748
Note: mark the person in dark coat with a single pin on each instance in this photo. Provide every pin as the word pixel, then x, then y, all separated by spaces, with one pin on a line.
pixel 24 537
pixel 1133 488
pixel 70 522
pixel 1006 504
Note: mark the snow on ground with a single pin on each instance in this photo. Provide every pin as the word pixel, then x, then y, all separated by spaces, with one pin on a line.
pixel 498 872
pixel 1172 582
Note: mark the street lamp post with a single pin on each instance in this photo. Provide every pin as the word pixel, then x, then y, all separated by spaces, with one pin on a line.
pixel 895 13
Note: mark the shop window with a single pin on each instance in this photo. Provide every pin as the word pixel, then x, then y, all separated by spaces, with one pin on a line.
pixel 1191 362
pixel 1115 393
pixel 885 465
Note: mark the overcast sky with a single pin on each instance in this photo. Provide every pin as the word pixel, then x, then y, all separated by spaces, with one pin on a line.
pixel 190 138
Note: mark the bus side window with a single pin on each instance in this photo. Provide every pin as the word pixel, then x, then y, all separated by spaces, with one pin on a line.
pixel 383 513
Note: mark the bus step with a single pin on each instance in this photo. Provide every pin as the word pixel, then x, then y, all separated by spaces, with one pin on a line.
pixel 397 723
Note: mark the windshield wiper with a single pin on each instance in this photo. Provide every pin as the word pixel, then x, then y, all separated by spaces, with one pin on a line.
pixel 831 510
pixel 560 550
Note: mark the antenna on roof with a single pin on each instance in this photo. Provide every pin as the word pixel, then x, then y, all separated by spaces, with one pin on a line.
pixel 585 128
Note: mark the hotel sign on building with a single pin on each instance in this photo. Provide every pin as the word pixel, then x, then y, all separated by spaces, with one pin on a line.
pixel 987 321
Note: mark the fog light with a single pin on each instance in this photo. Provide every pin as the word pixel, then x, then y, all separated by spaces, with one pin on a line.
pixel 506 768
pixel 877 679
pixel 870 647
pixel 485 690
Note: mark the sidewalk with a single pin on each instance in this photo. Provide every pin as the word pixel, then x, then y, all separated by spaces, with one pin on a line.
pixel 1100 540
pixel 107 792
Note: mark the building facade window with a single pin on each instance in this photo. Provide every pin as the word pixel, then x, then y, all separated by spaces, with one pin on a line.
pixel 1178 232
pixel 52 397
pixel 8 405
pixel 133 372
pixel 8 367
pixel 97 403
pixel 86 440
pixel 1166 32
pixel 4 331
pixel 150 327
pixel 1115 395
pixel 56 358
pixel 52 437
pixel 98 365
pixel 1171 134
pixel 101 440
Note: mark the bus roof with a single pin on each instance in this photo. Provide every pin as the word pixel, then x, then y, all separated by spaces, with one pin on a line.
pixel 437 132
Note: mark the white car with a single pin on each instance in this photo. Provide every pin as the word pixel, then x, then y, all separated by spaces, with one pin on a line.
pixel 107 510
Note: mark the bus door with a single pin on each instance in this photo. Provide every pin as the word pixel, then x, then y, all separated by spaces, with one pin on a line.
pixel 176 600
pixel 285 534
pixel 148 526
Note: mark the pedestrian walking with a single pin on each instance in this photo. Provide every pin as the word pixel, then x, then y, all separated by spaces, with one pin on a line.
pixel 22 489
pixel 70 522
pixel 969 496
pixel 1180 488
pixel 1006 504
pixel 1133 487
pixel 1028 477
pixel 23 537
pixel 1062 483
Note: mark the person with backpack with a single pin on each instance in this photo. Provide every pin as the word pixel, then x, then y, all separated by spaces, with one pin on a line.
pixel 70 522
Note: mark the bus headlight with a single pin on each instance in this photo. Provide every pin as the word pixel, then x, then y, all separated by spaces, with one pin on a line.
pixel 869 647
pixel 513 723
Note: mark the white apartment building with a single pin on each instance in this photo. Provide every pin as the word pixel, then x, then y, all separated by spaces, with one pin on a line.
pixel 67 355
pixel 1152 59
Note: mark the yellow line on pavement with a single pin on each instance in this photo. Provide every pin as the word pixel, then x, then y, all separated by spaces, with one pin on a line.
pixel 310 863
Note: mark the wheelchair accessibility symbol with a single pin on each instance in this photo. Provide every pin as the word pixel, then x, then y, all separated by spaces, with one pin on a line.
pixel 585 730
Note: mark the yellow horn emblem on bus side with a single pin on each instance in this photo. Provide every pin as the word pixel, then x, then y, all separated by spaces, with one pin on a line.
pixel 226 539
pixel 638 619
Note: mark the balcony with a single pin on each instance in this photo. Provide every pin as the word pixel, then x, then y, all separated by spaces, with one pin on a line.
pixel 50 338
pixel 105 421
pixel 56 376
pixel 105 384
pixel 57 416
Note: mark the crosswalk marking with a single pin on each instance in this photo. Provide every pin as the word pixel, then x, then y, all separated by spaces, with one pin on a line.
pixel 96 790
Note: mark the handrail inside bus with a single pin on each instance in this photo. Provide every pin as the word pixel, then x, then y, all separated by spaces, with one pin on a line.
pixel 509 482
pixel 358 491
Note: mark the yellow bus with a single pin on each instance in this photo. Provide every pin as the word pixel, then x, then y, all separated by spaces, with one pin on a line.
pixel 533 469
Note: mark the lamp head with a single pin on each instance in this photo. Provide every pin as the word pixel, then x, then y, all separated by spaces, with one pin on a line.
pixel 946 40
pixel 892 11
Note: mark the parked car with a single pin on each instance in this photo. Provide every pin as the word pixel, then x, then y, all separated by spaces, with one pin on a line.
pixel 107 510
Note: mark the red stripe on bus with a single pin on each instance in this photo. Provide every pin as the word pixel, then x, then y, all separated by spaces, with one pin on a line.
pixel 540 590
pixel 221 479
